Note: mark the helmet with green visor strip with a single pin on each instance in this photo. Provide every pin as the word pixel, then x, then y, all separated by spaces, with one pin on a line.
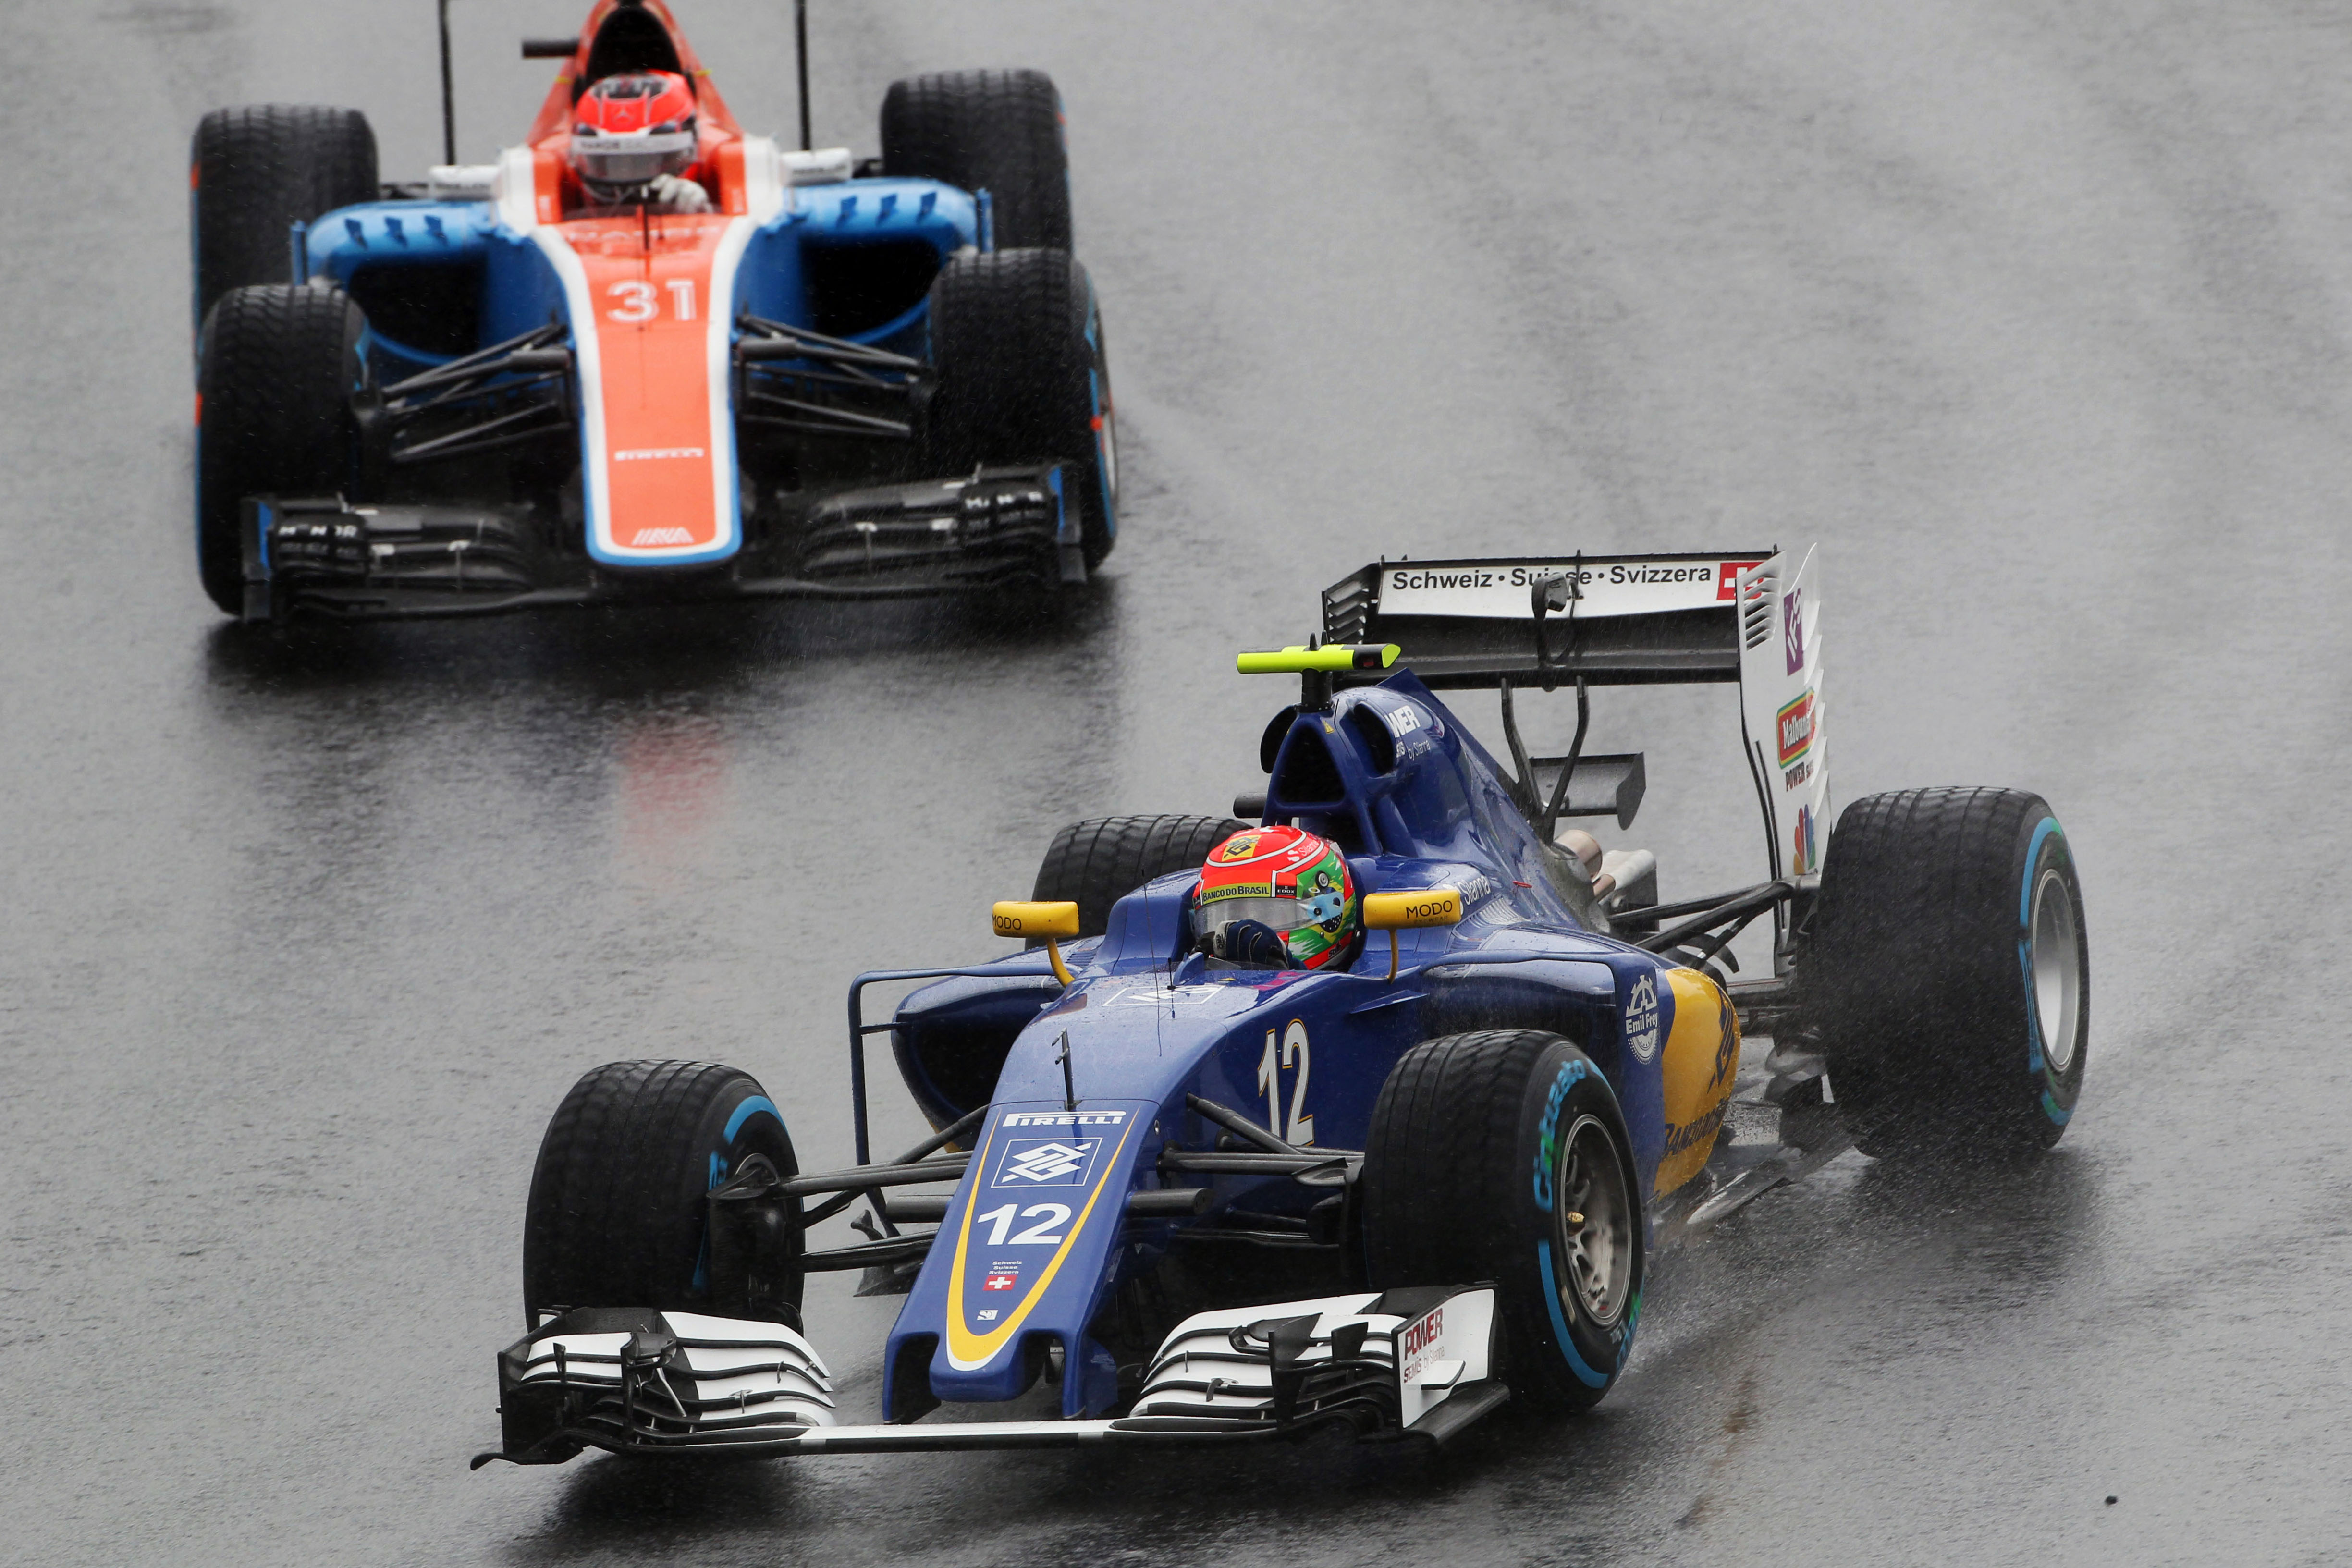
pixel 1279 898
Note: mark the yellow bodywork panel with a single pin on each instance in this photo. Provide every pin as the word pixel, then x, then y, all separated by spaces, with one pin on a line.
pixel 1699 1066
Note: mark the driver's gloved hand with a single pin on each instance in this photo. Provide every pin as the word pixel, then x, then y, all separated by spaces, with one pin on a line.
pixel 680 196
pixel 1252 944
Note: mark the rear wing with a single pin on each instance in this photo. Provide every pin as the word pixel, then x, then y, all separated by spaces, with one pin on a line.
pixel 1615 620
pixel 1751 617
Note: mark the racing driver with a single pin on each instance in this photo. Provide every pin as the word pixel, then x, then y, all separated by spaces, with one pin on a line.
pixel 1276 898
pixel 633 141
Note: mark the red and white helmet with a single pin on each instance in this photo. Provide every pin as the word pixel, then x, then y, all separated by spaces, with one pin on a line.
pixel 1279 898
pixel 630 129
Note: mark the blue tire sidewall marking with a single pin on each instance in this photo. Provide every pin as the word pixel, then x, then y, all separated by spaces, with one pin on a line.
pixel 2036 1062
pixel 1576 1363
pixel 1574 1070
pixel 753 1105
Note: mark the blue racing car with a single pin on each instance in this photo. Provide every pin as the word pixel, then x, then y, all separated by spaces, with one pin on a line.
pixel 1370 1112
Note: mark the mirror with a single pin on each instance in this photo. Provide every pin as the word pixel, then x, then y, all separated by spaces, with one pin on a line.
pixel 1052 919
pixel 1393 912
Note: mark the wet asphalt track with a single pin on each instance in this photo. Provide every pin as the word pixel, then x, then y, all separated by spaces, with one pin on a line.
pixel 2035 314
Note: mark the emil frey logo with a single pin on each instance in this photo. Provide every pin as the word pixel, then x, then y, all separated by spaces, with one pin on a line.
pixel 1641 1017
pixel 1050 1163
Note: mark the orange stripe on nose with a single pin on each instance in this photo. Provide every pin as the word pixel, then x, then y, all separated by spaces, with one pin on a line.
pixel 649 283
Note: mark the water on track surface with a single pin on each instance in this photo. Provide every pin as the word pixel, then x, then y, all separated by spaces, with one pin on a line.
pixel 2034 314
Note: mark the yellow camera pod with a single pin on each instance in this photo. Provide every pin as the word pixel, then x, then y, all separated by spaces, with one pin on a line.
pixel 1300 660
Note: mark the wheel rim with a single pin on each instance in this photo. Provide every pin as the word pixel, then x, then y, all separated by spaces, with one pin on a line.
pixel 1593 1223
pixel 2055 954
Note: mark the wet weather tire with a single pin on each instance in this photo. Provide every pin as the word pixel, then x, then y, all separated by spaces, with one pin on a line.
pixel 1098 862
pixel 617 1215
pixel 1948 973
pixel 259 169
pixel 1503 1156
pixel 998 132
pixel 278 368
pixel 1024 377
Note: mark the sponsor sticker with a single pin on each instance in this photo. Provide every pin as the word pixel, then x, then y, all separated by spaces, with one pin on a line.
pixel 1690 1134
pixel 1499 590
pixel 650 454
pixel 986 1314
pixel 1046 1162
pixel 1064 1119
pixel 1792 629
pixel 1548 1128
pixel 1642 1016
pixel 1796 776
pixel 1801 859
pixel 1423 1342
pixel 1794 724
pixel 645 536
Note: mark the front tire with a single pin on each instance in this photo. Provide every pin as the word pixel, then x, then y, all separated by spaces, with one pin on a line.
pixel 1024 377
pixel 258 171
pixel 278 368
pixel 1948 973
pixel 1503 1156
pixel 998 132
pixel 617 1215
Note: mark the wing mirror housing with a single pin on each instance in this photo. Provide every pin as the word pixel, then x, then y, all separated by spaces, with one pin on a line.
pixel 1054 920
pixel 1393 912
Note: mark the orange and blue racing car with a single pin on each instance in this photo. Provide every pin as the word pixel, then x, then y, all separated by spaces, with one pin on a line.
pixel 1208 1201
pixel 646 354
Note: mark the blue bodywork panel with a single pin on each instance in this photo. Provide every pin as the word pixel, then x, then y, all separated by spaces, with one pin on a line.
pixel 1036 1238
pixel 513 289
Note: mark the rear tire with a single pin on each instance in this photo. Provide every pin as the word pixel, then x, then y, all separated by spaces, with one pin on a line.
pixel 259 169
pixel 1948 973
pixel 277 371
pixel 1098 862
pixel 1024 377
pixel 617 1215
pixel 998 132
pixel 1482 1147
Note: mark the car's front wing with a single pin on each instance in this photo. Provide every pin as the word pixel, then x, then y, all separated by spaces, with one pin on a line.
pixel 986 532
pixel 1414 1363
